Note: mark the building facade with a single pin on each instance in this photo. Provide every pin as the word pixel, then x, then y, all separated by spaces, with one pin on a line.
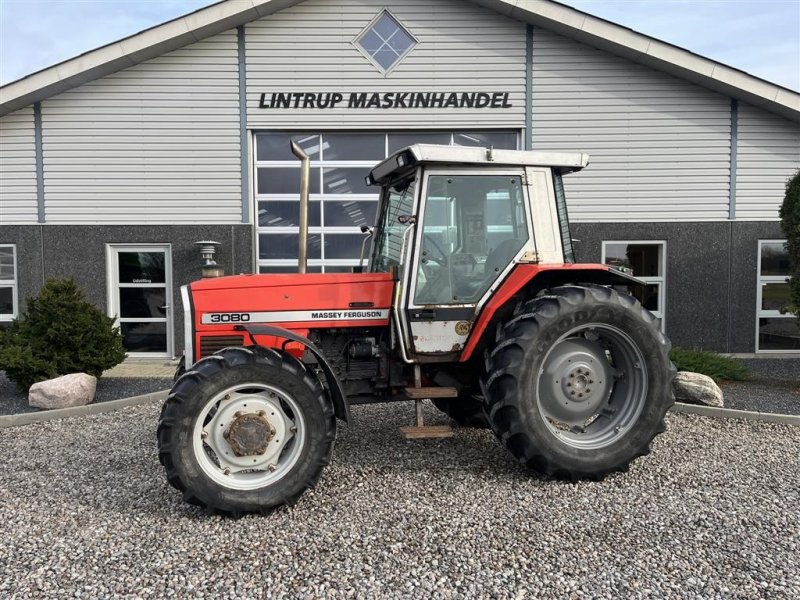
pixel 114 164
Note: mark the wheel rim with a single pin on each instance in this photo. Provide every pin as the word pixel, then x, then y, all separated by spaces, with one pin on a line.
pixel 592 386
pixel 249 436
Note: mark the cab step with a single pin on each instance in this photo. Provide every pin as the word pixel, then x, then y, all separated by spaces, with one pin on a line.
pixel 427 393
pixel 418 393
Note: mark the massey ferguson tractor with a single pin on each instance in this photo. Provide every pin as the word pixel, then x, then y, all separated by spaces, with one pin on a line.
pixel 471 298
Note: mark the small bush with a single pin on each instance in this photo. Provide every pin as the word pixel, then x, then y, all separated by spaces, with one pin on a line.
pixel 59 333
pixel 714 365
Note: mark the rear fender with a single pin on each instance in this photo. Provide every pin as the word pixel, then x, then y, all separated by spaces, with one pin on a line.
pixel 341 407
pixel 526 280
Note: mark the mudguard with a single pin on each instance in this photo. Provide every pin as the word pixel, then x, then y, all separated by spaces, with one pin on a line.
pixel 341 407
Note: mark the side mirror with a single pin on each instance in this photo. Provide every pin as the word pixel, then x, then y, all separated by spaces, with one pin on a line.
pixel 368 231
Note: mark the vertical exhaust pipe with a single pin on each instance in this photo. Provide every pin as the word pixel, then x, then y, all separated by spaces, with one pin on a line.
pixel 305 175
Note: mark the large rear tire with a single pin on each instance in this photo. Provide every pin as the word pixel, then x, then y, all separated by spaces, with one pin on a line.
pixel 466 410
pixel 578 382
pixel 245 430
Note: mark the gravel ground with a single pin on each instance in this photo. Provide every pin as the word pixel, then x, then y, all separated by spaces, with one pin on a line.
pixel 13 402
pixel 777 396
pixel 714 511
pixel 775 368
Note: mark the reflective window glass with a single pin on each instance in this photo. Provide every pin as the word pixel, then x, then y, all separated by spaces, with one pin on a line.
pixel 142 267
pixel 778 334
pixel 285 180
pixel 277 146
pixel 347 180
pixel 6 263
pixel 353 146
pixel 484 139
pixel 350 213
pixel 643 259
pixel 287 245
pixel 141 302
pixel 6 300
pixel 278 213
pixel 144 337
pixel 398 141
pixel 775 296
pixel 343 245
pixel 774 258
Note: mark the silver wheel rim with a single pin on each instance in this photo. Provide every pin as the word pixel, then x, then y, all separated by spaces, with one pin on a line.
pixel 218 458
pixel 592 386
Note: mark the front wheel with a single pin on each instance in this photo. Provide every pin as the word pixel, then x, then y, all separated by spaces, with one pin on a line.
pixel 578 382
pixel 245 430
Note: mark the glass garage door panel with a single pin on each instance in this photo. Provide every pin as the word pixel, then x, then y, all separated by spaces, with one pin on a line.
pixel 341 202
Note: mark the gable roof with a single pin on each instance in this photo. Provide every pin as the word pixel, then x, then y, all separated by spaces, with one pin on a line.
pixel 561 19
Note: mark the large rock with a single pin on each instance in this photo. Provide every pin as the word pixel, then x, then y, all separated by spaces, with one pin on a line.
pixel 76 389
pixel 696 389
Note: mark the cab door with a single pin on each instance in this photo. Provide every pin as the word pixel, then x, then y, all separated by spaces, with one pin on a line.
pixel 472 226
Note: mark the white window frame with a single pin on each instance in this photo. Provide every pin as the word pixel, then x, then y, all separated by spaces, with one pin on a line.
pixel 322 164
pixel 660 280
pixel 13 283
pixel 357 42
pixel 761 280
pixel 113 284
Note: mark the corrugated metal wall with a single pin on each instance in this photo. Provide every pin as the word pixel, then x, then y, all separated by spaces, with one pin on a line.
pixel 769 153
pixel 155 143
pixel 18 203
pixel 659 146
pixel 463 47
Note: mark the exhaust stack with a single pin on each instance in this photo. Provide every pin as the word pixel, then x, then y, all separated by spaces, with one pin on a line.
pixel 305 174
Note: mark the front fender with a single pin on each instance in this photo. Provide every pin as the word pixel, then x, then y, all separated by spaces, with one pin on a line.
pixel 341 407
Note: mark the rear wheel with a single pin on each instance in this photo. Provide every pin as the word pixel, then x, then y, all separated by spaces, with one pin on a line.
pixel 578 382
pixel 245 430
pixel 466 410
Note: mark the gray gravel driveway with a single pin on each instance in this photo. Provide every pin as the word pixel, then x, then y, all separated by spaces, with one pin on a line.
pixel 713 512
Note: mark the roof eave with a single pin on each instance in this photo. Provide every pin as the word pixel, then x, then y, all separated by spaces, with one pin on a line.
pixel 134 49
pixel 653 53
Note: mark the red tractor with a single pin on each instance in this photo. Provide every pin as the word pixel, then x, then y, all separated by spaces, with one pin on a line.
pixel 471 298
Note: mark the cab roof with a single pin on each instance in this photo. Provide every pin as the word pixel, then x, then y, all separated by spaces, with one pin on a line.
pixel 410 157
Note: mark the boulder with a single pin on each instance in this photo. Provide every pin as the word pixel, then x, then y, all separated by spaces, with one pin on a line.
pixel 76 389
pixel 696 389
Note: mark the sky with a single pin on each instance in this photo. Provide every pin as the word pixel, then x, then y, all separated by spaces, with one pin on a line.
pixel 761 37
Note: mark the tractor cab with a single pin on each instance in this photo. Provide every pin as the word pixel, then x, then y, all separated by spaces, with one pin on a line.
pixel 454 222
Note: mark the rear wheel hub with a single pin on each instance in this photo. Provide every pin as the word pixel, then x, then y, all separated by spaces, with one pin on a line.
pixel 249 434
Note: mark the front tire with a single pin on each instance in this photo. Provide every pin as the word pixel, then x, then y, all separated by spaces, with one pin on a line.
pixel 578 382
pixel 245 430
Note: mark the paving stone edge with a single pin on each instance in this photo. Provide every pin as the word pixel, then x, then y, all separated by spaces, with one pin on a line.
pixel 112 405
pixel 79 411
pixel 730 413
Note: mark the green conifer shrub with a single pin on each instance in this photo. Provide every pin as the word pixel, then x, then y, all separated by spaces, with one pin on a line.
pixel 59 333
pixel 790 223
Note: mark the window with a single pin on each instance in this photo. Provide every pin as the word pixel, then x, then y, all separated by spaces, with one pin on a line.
pixel 776 330
pixel 645 260
pixel 8 282
pixel 473 227
pixel 340 201
pixel 385 41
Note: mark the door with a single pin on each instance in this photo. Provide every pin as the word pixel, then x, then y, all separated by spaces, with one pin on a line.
pixel 140 294
pixel 474 225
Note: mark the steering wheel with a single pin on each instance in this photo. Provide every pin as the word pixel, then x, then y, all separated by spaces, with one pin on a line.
pixel 428 240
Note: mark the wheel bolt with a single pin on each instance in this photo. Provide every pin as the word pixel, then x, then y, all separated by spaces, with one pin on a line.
pixel 591 381
pixel 238 413
pixel 227 396
pixel 262 413
pixel 203 435
pixel 292 429
pixel 580 395
pixel 572 393
pixel 572 375
pixel 227 471
pixel 569 384
pixel 272 467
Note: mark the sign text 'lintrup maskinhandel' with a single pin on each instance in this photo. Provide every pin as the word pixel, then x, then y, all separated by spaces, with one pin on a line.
pixel 385 100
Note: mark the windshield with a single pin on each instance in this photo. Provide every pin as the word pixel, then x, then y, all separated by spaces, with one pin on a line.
pixel 399 200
